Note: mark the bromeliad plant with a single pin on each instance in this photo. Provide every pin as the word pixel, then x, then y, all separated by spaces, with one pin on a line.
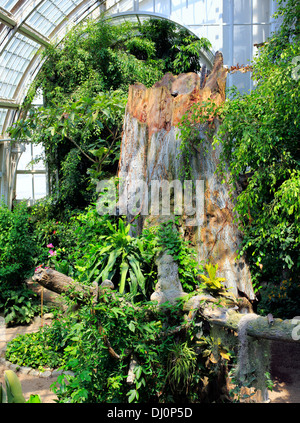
pixel 119 258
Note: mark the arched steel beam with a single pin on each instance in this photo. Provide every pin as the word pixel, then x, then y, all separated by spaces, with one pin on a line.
pixel 19 25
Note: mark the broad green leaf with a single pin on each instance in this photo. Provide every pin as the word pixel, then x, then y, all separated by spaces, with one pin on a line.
pixel 110 263
pixel 124 269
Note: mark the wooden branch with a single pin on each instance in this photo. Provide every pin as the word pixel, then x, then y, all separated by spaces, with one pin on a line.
pixel 80 149
pixel 62 284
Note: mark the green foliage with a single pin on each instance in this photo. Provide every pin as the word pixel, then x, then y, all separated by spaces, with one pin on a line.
pixel 166 237
pixel 212 282
pixel 91 247
pixel 116 257
pixel 281 299
pixel 80 136
pixel 46 347
pixel 199 116
pixel 181 367
pixel 176 47
pixel 97 345
pixel 188 54
pixel 16 245
pixel 259 133
pixel 260 138
pixel 19 306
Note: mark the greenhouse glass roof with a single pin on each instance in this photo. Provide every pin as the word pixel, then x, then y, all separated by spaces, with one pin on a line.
pixel 27 26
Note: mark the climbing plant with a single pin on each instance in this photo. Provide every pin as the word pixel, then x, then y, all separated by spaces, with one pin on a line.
pixel 260 138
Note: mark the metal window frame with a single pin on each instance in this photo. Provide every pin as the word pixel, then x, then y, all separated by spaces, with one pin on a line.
pixel 32 172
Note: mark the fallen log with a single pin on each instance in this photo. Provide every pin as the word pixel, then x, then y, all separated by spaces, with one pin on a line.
pixel 208 306
pixel 62 284
pixel 257 326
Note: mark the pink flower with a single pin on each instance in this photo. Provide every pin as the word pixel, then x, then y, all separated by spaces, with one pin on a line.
pixel 50 246
pixel 52 253
pixel 37 268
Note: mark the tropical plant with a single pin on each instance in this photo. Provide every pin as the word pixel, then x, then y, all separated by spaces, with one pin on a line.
pixel 181 367
pixel 13 393
pixel 16 245
pixel 212 282
pixel 46 346
pixel 259 134
pixel 19 306
pixel 100 343
pixel 166 237
pixel 118 257
pixel 85 83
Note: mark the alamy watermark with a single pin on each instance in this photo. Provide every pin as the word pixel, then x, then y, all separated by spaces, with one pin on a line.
pixel 158 198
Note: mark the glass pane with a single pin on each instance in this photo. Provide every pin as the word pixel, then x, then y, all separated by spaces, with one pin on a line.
pixel 242 11
pixel 3 113
pixel 261 11
pixel 25 158
pixel 24 187
pixel 242 81
pixel 214 35
pixel 38 152
pixel 125 6
pixel 50 14
pixel 162 6
pixel 17 55
pixel 39 186
pixel 242 48
pixel 213 11
pixel 9 4
pixel 227 45
pixel 146 5
pixel 227 11
pixel 260 34
pixel 194 14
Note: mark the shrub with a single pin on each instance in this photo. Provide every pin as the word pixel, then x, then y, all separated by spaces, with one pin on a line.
pixel 16 245
pixel 99 342
pixel 19 306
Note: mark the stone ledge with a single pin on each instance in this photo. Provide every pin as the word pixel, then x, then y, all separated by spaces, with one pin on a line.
pixel 33 372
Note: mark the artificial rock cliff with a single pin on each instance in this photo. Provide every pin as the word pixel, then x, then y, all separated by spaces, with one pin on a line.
pixel 150 151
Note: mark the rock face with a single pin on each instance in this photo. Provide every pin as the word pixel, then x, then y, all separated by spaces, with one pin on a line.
pixel 150 157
